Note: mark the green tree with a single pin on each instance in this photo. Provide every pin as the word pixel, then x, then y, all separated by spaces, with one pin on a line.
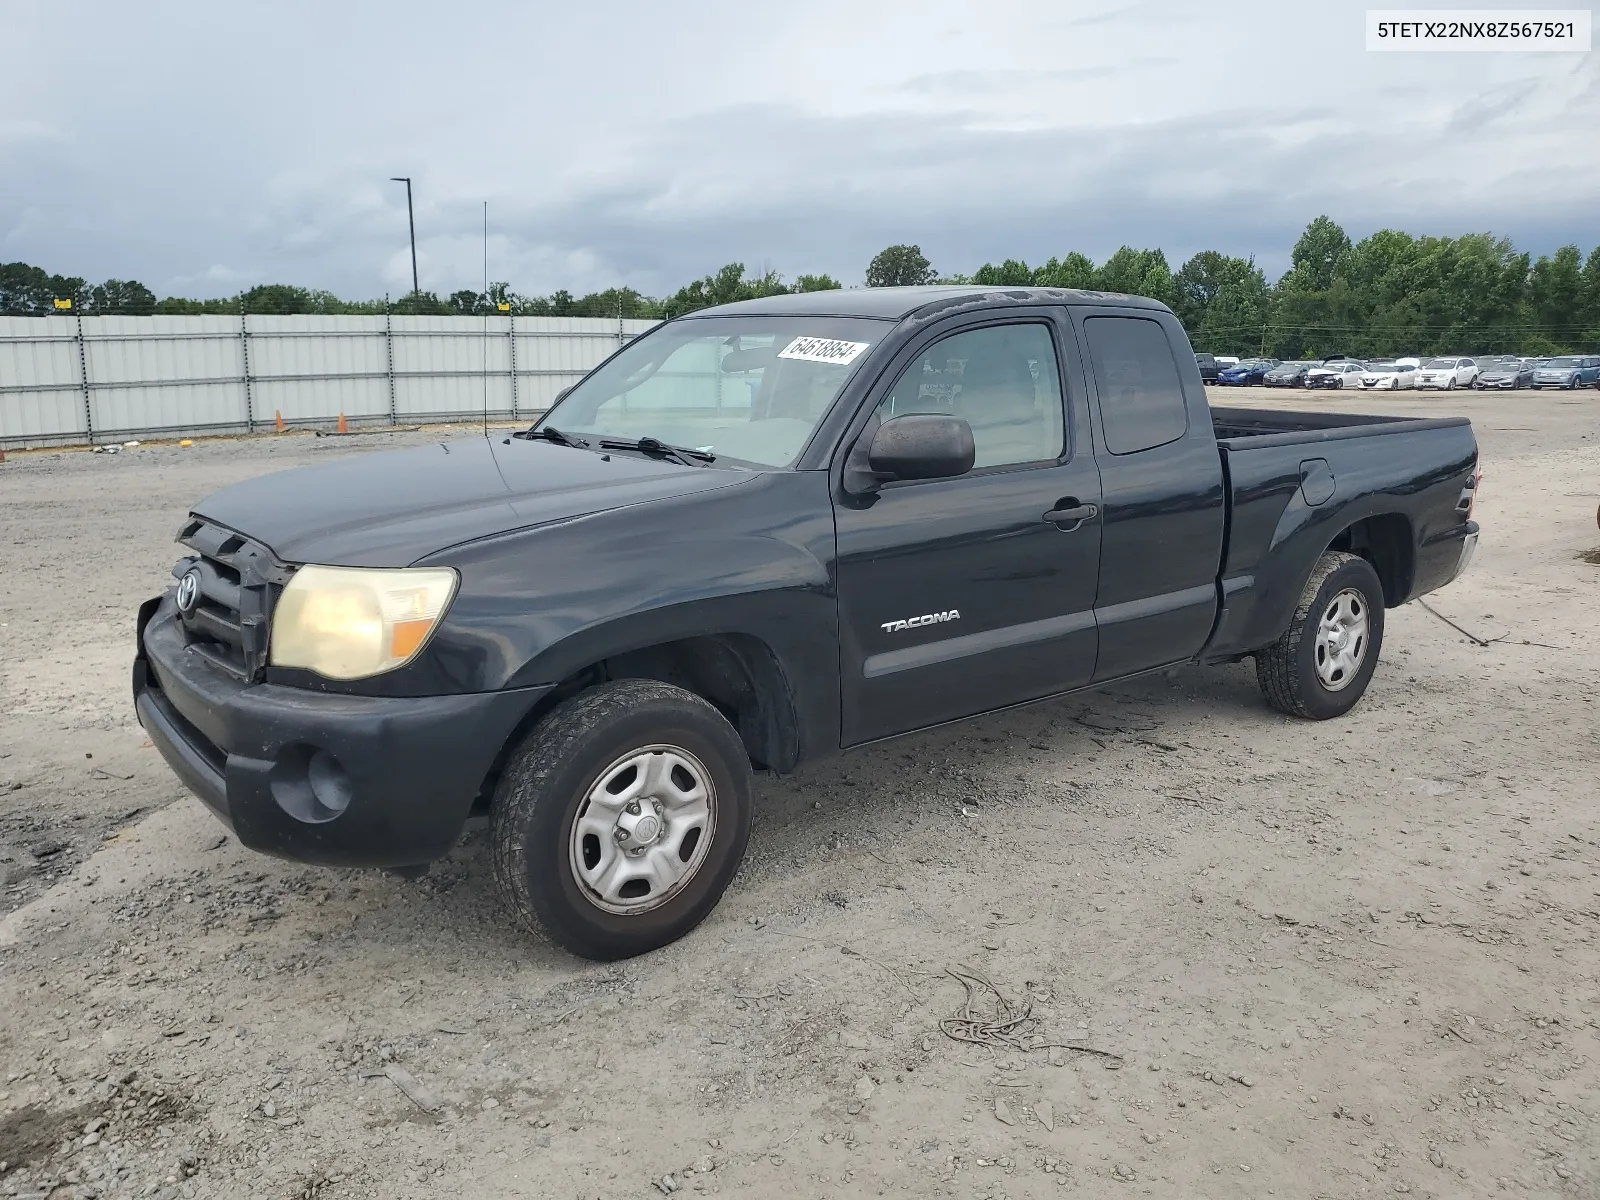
pixel 725 287
pixel 817 283
pixel 29 291
pixel 1556 299
pixel 1236 315
pixel 900 266
pixel 1011 273
pixel 421 304
pixel 124 296
pixel 1074 271
pixel 1137 273
pixel 282 299
pixel 1591 301
pixel 1320 253
pixel 1203 278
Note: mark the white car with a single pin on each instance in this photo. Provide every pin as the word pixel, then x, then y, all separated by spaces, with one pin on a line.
pixel 1335 375
pixel 1448 373
pixel 1389 375
pixel 1224 361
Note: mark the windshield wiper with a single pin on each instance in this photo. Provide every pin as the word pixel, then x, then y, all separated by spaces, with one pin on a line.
pixel 550 434
pixel 650 445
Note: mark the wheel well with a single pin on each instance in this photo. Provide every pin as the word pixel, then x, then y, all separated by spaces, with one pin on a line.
pixel 1385 542
pixel 737 673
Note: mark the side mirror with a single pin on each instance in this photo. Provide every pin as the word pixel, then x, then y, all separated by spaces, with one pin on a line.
pixel 921 446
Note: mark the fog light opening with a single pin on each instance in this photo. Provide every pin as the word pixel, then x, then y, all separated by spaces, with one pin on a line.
pixel 310 784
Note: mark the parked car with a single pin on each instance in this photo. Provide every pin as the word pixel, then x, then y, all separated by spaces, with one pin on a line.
pixel 1208 367
pixel 1448 373
pixel 1511 375
pixel 1249 371
pixel 1390 376
pixel 1568 371
pixel 1289 374
pixel 591 633
pixel 1224 361
pixel 1344 374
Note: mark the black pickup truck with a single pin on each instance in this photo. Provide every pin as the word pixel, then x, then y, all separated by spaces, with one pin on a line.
pixel 759 534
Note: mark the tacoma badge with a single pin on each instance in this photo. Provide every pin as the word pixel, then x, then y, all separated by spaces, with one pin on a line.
pixel 918 622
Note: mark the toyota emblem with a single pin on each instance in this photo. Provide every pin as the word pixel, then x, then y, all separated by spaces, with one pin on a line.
pixel 189 592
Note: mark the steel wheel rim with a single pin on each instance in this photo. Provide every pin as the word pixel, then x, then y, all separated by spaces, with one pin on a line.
pixel 1343 635
pixel 643 829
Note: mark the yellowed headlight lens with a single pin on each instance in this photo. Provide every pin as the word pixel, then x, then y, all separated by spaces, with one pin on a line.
pixel 350 622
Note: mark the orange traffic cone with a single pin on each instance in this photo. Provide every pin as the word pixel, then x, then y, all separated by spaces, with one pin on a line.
pixel 343 426
pixel 279 420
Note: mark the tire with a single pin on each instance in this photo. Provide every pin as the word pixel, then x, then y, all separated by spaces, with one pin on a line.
pixel 1288 670
pixel 1451 386
pixel 581 748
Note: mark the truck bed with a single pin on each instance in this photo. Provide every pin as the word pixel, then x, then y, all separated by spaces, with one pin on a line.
pixel 1298 482
pixel 1252 428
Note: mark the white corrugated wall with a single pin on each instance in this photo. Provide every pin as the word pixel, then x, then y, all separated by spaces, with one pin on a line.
pixel 149 376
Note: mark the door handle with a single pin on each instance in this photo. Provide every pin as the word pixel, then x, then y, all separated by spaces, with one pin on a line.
pixel 1070 514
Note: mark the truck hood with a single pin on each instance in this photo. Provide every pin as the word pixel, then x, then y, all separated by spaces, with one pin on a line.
pixel 391 508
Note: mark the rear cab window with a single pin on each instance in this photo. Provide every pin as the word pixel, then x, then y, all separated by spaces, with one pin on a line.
pixel 1141 393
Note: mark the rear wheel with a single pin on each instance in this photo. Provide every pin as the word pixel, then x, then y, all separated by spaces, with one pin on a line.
pixel 621 819
pixel 1322 664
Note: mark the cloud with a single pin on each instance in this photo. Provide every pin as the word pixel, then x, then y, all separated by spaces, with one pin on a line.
pixel 803 142
pixel 977 82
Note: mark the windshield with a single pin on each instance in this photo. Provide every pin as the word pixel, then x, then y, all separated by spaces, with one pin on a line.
pixel 1562 364
pixel 1380 367
pixel 1442 364
pixel 748 388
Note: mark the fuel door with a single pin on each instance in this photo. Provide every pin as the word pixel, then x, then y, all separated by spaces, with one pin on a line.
pixel 1316 481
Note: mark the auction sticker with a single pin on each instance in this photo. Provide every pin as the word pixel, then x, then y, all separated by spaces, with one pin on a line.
pixel 824 350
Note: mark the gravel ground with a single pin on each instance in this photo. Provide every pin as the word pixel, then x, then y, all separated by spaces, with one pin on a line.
pixel 1335 959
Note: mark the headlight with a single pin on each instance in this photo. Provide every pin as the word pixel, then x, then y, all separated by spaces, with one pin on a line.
pixel 349 623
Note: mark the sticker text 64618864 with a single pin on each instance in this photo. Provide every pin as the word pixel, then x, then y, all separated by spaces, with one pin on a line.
pixel 825 350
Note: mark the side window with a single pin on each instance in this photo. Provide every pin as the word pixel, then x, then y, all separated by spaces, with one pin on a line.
pixel 1141 396
pixel 1002 380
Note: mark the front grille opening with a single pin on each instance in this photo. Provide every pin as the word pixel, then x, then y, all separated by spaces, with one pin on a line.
pixel 227 622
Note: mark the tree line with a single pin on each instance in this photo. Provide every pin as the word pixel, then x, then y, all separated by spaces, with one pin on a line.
pixel 1389 293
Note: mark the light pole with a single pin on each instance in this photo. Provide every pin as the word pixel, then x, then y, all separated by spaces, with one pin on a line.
pixel 412 221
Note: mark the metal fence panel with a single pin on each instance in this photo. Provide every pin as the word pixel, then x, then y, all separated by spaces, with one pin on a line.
pixel 449 367
pixel 66 379
pixel 41 393
pixel 161 374
pixel 307 368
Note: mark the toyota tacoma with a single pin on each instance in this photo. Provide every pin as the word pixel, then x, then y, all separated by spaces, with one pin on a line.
pixel 760 534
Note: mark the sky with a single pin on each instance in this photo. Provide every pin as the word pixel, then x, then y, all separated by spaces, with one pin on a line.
pixel 202 148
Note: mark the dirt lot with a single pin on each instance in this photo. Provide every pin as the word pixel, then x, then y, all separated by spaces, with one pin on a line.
pixel 1336 959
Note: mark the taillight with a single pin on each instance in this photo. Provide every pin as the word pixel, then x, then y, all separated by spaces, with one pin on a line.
pixel 1470 492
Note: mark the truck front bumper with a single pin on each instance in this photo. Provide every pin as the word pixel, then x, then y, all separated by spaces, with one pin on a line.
pixel 317 777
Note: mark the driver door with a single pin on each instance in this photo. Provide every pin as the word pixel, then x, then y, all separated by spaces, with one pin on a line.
pixel 962 595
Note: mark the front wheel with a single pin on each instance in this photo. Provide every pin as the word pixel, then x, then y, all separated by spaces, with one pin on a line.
pixel 621 818
pixel 1322 664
